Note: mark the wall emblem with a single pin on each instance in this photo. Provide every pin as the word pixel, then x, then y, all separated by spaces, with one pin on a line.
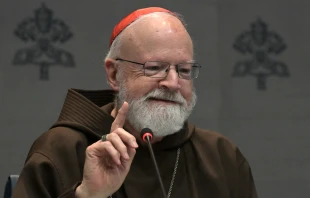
pixel 44 33
pixel 260 46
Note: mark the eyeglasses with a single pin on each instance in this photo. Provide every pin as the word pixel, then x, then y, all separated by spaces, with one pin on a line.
pixel 158 69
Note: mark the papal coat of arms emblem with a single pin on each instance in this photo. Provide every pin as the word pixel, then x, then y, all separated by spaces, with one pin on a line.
pixel 45 33
pixel 260 45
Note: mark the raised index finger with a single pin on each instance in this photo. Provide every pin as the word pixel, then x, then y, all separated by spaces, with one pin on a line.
pixel 120 117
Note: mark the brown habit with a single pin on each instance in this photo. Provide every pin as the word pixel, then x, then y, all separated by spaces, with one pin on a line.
pixel 210 166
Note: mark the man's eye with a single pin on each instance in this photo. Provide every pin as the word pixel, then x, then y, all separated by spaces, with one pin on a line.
pixel 184 71
pixel 153 68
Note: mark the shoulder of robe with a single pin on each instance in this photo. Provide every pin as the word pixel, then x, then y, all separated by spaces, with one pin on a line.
pixel 59 143
pixel 216 142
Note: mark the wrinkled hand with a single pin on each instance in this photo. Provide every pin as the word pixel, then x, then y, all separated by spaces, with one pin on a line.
pixel 107 163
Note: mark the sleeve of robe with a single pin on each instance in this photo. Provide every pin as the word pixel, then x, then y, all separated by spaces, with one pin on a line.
pixel 246 182
pixel 39 178
pixel 54 166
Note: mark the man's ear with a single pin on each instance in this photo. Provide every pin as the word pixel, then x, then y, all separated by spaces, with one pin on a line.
pixel 111 70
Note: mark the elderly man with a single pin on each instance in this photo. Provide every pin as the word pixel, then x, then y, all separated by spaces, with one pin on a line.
pixel 95 149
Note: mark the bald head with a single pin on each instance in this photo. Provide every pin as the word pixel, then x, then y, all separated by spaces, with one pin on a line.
pixel 154 33
pixel 148 32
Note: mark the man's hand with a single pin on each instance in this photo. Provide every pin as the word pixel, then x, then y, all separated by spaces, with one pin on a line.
pixel 107 163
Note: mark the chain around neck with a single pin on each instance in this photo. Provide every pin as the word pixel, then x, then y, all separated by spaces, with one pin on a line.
pixel 173 174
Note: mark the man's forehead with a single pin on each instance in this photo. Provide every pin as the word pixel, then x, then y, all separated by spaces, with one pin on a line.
pixel 133 17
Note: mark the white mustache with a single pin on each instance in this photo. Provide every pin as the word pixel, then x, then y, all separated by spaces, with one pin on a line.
pixel 165 95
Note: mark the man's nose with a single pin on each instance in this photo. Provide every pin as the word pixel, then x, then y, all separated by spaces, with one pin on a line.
pixel 171 81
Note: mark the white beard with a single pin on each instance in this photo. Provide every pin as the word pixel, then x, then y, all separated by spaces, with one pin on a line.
pixel 162 119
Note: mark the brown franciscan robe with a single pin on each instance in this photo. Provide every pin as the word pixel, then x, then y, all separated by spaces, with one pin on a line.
pixel 210 166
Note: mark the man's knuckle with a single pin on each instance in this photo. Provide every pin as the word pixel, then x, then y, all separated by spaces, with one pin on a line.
pixel 115 153
pixel 123 148
pixel 133 138
pixel 89 149
pixel 107 144
pixel 118 130
pixel 112 136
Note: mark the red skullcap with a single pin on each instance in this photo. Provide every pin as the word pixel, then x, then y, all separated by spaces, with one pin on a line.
pixel 131 18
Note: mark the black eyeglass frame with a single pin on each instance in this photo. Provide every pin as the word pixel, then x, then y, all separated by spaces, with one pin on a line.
pixel 195 65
